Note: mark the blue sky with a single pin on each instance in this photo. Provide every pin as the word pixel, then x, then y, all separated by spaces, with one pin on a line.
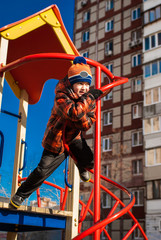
pixel 38 114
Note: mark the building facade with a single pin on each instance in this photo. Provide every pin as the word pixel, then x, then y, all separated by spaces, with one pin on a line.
pixel 111 33
pixel 152 115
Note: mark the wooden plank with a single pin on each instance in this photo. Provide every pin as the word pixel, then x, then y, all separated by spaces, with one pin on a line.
pixel 37 210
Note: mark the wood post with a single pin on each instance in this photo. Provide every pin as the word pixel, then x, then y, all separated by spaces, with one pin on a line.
pixel 21 135
pixel 73 202
pixel 3 59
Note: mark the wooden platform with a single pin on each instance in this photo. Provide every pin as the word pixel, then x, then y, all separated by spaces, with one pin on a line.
pixel 28 218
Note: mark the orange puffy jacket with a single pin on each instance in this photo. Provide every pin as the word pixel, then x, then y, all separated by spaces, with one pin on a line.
pixel 77 112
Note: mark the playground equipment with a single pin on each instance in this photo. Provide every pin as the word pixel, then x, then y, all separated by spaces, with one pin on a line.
pixel 33 66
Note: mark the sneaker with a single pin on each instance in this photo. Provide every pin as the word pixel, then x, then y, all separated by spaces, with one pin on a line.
pixel 84 174
pixel 16 201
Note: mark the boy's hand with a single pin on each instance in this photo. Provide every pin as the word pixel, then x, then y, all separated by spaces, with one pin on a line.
pixel 95 92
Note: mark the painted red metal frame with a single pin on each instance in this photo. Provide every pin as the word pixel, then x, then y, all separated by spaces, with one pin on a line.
pixel 98 226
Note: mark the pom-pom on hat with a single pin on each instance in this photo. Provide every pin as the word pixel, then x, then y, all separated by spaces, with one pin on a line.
pixel 80 71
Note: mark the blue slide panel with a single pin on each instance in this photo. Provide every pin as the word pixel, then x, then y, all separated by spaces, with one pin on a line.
pixel 29 221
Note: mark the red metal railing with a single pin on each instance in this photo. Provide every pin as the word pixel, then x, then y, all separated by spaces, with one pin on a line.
pixel 99 225
pixel 86 209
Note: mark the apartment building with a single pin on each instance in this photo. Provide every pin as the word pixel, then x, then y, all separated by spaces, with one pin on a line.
pixel 152 115
pixel 110 32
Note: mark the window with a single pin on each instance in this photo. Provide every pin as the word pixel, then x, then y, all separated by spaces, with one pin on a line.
pixel 136 85
pixel 86 36
pixel 147 126
pixel 136 35
pixel 152 125
pixel 103 235
pixel 85 54
pixel 137 167
pixel 136 139
pixel 106 200
pixel 153 157
pixel 108 96
pixel 108 48
pixel 86 16
pixel 147 71
pixel 135 14
pixel 110 67
pixel 147 43
pixel 109 5
pixel 137 111
pixel 109 26
pixel 159 39
pixel 106 170
pixel 136 60
pixel 152 96
pixel 159 225
pixel 148 97
pixel 152 69
pixel 154 189
pixel 152 41
pixel 137 234
pixel 107 118
pixel 152 15
pixel 139 197
pixel 107 144
pixel 157 12
pixel 146 17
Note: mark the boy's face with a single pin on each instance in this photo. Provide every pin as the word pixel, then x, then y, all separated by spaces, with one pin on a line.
pixel 80 88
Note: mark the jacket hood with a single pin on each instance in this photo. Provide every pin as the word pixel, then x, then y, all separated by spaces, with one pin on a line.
pixel 65 87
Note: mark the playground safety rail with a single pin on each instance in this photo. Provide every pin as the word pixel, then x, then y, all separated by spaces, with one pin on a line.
pixel 86 208
pixel 10 113
pixel 25 155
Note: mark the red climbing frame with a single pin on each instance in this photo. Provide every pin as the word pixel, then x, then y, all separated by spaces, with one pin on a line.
pixel 98 226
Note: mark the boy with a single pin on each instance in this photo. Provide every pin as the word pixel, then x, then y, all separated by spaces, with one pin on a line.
pixel 74 105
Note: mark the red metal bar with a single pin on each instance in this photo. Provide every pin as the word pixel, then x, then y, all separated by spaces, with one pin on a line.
pixel 119 81
pixel 107 234
pixel 89 210
pixel 81 215
pixel 65 198
pixel 109 215
pixel 117 215
pixel 38 197
pixel 101 224
pixel 130 232
pixel 87 207
pixel 61 198
pixel 42 56
pixel 97 154
pixel 113 209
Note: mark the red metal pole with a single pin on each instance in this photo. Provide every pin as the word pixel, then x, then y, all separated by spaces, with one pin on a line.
pixel 97 154
pixel 38 197
pixel 87 207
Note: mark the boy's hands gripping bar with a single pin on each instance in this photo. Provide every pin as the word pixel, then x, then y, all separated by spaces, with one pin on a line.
pixel 95 92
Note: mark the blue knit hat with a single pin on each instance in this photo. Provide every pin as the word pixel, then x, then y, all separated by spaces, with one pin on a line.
pixel 80 71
